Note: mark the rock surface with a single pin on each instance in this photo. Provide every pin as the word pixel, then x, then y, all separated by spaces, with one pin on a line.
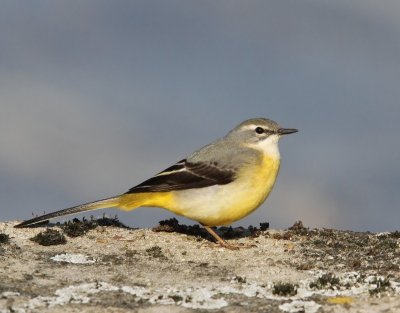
pixel 116 269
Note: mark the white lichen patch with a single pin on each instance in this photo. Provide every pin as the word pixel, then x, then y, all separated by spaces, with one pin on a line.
pixel 202 297
pixel 396 286
pixel 300 306
pixel 195 298
pixel 198 298
pixel 71 294
pixel 381 234
pixel 72 258
pixel 9 294
pixel 210 297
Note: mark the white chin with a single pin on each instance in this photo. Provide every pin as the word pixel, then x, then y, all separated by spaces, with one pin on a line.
pixel 269 146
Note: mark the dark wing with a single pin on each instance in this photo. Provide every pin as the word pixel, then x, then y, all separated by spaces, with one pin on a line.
pixel 186 175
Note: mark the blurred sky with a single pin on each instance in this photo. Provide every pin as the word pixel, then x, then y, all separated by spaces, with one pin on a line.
pixel 96 96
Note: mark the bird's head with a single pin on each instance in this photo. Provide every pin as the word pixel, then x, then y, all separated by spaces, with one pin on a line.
pixel 260 133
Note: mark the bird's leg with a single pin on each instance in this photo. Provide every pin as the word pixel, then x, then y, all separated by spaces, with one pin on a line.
pixel 222 242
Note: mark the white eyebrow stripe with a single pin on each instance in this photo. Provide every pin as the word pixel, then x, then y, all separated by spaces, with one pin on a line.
pixel 252 126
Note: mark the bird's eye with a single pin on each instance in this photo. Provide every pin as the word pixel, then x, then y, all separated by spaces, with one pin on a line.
pixel 259 130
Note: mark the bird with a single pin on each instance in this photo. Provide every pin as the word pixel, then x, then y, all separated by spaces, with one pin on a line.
pixel 216 185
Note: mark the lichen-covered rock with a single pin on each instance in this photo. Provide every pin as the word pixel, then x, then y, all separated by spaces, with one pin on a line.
pixel 117 269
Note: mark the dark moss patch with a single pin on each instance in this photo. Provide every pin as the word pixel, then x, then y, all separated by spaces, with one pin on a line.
pixel 76 228
pixel 264 226
pixel 50 237
pixel 4 238
pixel 155 252
pixel 240 279
pixel 232 233
pixel 255 232
pixel 131 253
pixel 110 221
pixel 176 298
pixel 325 281
pixel 395 234
pixel 298 229
pixel 282 236
pixel 293 232
pixel 172 225
pixel 284 289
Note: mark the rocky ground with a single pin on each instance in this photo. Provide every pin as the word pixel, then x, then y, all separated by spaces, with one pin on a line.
pixel 102 266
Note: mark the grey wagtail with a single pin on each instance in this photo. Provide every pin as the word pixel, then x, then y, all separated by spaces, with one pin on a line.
pixel 216 185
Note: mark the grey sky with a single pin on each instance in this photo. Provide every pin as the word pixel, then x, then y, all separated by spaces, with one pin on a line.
pixel 96 96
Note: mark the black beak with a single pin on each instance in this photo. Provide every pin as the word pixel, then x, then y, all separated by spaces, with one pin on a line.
pixel 286 131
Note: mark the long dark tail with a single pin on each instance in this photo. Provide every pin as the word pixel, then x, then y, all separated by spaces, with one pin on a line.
pixel 100 204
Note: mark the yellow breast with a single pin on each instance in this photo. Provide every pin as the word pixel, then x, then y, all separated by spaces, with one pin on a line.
pixel 255 186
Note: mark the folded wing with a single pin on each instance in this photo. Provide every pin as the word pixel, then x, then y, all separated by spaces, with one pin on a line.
pixel 186 175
